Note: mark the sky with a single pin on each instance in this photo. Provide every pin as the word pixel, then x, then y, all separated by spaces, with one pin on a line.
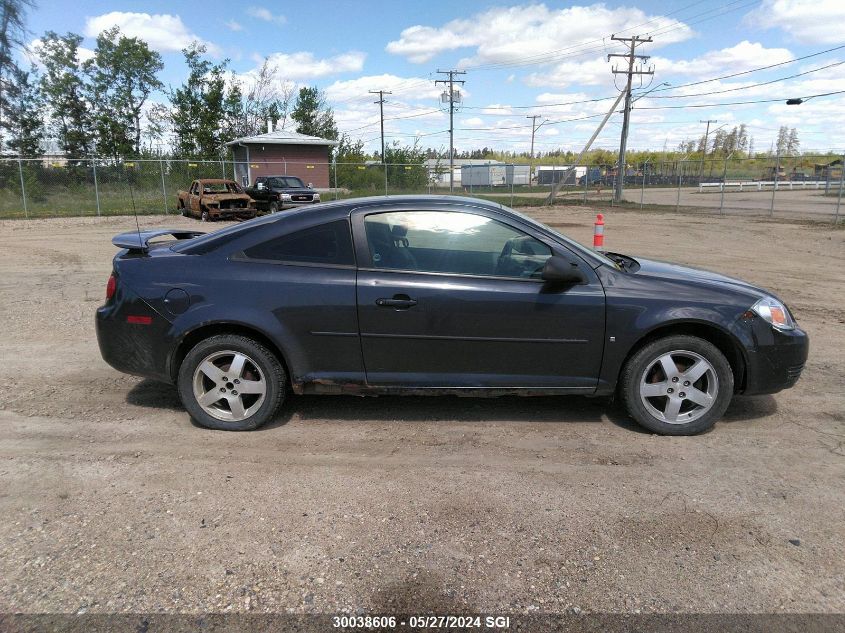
pixel 521 59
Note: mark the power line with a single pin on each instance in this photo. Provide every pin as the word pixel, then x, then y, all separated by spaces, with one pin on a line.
pixel 717 105
pixel 753 70
pixel 748 87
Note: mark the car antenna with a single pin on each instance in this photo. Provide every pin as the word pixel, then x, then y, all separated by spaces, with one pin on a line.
pixel 134 210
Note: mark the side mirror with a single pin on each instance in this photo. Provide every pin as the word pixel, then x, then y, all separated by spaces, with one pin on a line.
pixel 260 185
pixel 560 270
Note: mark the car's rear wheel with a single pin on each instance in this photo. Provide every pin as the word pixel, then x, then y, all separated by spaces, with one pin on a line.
pixel 678 385
pixel 231 382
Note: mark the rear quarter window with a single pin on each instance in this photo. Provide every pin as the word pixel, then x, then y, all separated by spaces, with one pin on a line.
pixel 328 243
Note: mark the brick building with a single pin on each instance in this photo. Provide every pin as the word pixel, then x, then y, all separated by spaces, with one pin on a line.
pixel 282 152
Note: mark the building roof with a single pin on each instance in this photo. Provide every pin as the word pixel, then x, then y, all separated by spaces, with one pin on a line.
pixel 282 137
pixel 460 162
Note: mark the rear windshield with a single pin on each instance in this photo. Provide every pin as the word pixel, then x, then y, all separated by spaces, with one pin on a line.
pixel 220 187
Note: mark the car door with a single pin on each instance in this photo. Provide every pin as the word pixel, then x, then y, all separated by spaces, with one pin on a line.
pixel 195 197
pixel 451 298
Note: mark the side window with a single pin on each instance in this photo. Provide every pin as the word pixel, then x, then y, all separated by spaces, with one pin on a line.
pixel 328 243
pixel 194 188
pixel 446 242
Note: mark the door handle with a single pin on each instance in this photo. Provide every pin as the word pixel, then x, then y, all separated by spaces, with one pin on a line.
pixel 398 303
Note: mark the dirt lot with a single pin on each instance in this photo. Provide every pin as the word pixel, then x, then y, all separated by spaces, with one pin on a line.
pixel 112 501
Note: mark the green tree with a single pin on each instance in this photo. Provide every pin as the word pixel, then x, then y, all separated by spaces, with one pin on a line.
pixel 64 91
pixel 312 115
pixel 122 75
pixel 352 172
pixel 12 35
pixel 199 106
pixel 24 105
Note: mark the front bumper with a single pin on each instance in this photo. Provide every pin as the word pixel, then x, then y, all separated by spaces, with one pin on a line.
pixel 777 359
pixel 229 214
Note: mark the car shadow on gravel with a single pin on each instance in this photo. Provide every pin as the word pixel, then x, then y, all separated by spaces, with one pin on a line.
pixel 446 409
pixel 409 409
pixel 152 394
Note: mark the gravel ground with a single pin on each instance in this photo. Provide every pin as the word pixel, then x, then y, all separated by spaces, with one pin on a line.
pixel 112 501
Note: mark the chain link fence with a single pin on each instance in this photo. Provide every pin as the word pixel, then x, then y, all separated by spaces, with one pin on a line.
pixel 806 186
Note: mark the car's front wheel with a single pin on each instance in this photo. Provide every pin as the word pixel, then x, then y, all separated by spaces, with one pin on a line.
pixel 678 385
pixel 231 382
pixel 274 207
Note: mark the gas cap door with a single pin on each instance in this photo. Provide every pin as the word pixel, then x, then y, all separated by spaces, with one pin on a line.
pixel 176 301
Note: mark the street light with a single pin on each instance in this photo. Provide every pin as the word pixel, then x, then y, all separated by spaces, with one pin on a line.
pixel 665 83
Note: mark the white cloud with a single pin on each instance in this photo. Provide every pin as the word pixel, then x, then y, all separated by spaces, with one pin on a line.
pixel 234 25
pixel 741 57
pixel 403 88
pixel 163 32
pixel 303 65
pixel 807 21
pixel 593 72
pixel 506 34
pixel 263 13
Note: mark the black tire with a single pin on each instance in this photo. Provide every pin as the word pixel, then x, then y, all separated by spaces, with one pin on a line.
pixel 274 207
pixel 645 360
pixel 258 355
pixel 204 216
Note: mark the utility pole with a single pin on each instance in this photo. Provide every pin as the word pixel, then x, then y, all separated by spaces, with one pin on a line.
pixel 380 103
pixel 632 57
pixel 534 128
pixel 704 149
pixel 452 98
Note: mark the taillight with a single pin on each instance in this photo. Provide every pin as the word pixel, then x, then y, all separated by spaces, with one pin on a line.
pixel 111 287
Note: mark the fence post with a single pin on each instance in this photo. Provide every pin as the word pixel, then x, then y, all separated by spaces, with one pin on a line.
pixel 642 191
pixel 163 188
pixel 334 168
pixel 775 183
pixel 678 201
pixel 841 183
pixel 23 188
pixel 724 182
pixel 586 182
pixel 96 187
pixel 513 174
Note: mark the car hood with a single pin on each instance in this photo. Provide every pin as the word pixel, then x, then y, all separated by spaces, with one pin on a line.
pixel 668 270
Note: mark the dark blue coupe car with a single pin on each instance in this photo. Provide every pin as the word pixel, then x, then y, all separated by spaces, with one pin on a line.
pixel 434 295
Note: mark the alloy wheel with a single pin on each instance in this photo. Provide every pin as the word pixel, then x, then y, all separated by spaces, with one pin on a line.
pixel 229 385
pixel 679 386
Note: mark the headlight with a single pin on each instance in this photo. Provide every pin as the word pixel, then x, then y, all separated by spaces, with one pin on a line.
pixel 317 197
pixel 285 196
pixel 773 311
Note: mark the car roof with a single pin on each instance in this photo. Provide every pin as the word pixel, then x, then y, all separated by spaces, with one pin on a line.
pixel 215 181
pixel 336 209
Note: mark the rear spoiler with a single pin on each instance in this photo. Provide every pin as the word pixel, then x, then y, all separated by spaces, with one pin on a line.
pixel 140 240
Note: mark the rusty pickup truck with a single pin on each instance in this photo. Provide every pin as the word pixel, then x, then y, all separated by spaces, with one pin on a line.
pixel 216 199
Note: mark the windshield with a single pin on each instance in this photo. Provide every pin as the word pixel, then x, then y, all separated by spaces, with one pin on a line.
pixel 286 182
pixel 220 187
